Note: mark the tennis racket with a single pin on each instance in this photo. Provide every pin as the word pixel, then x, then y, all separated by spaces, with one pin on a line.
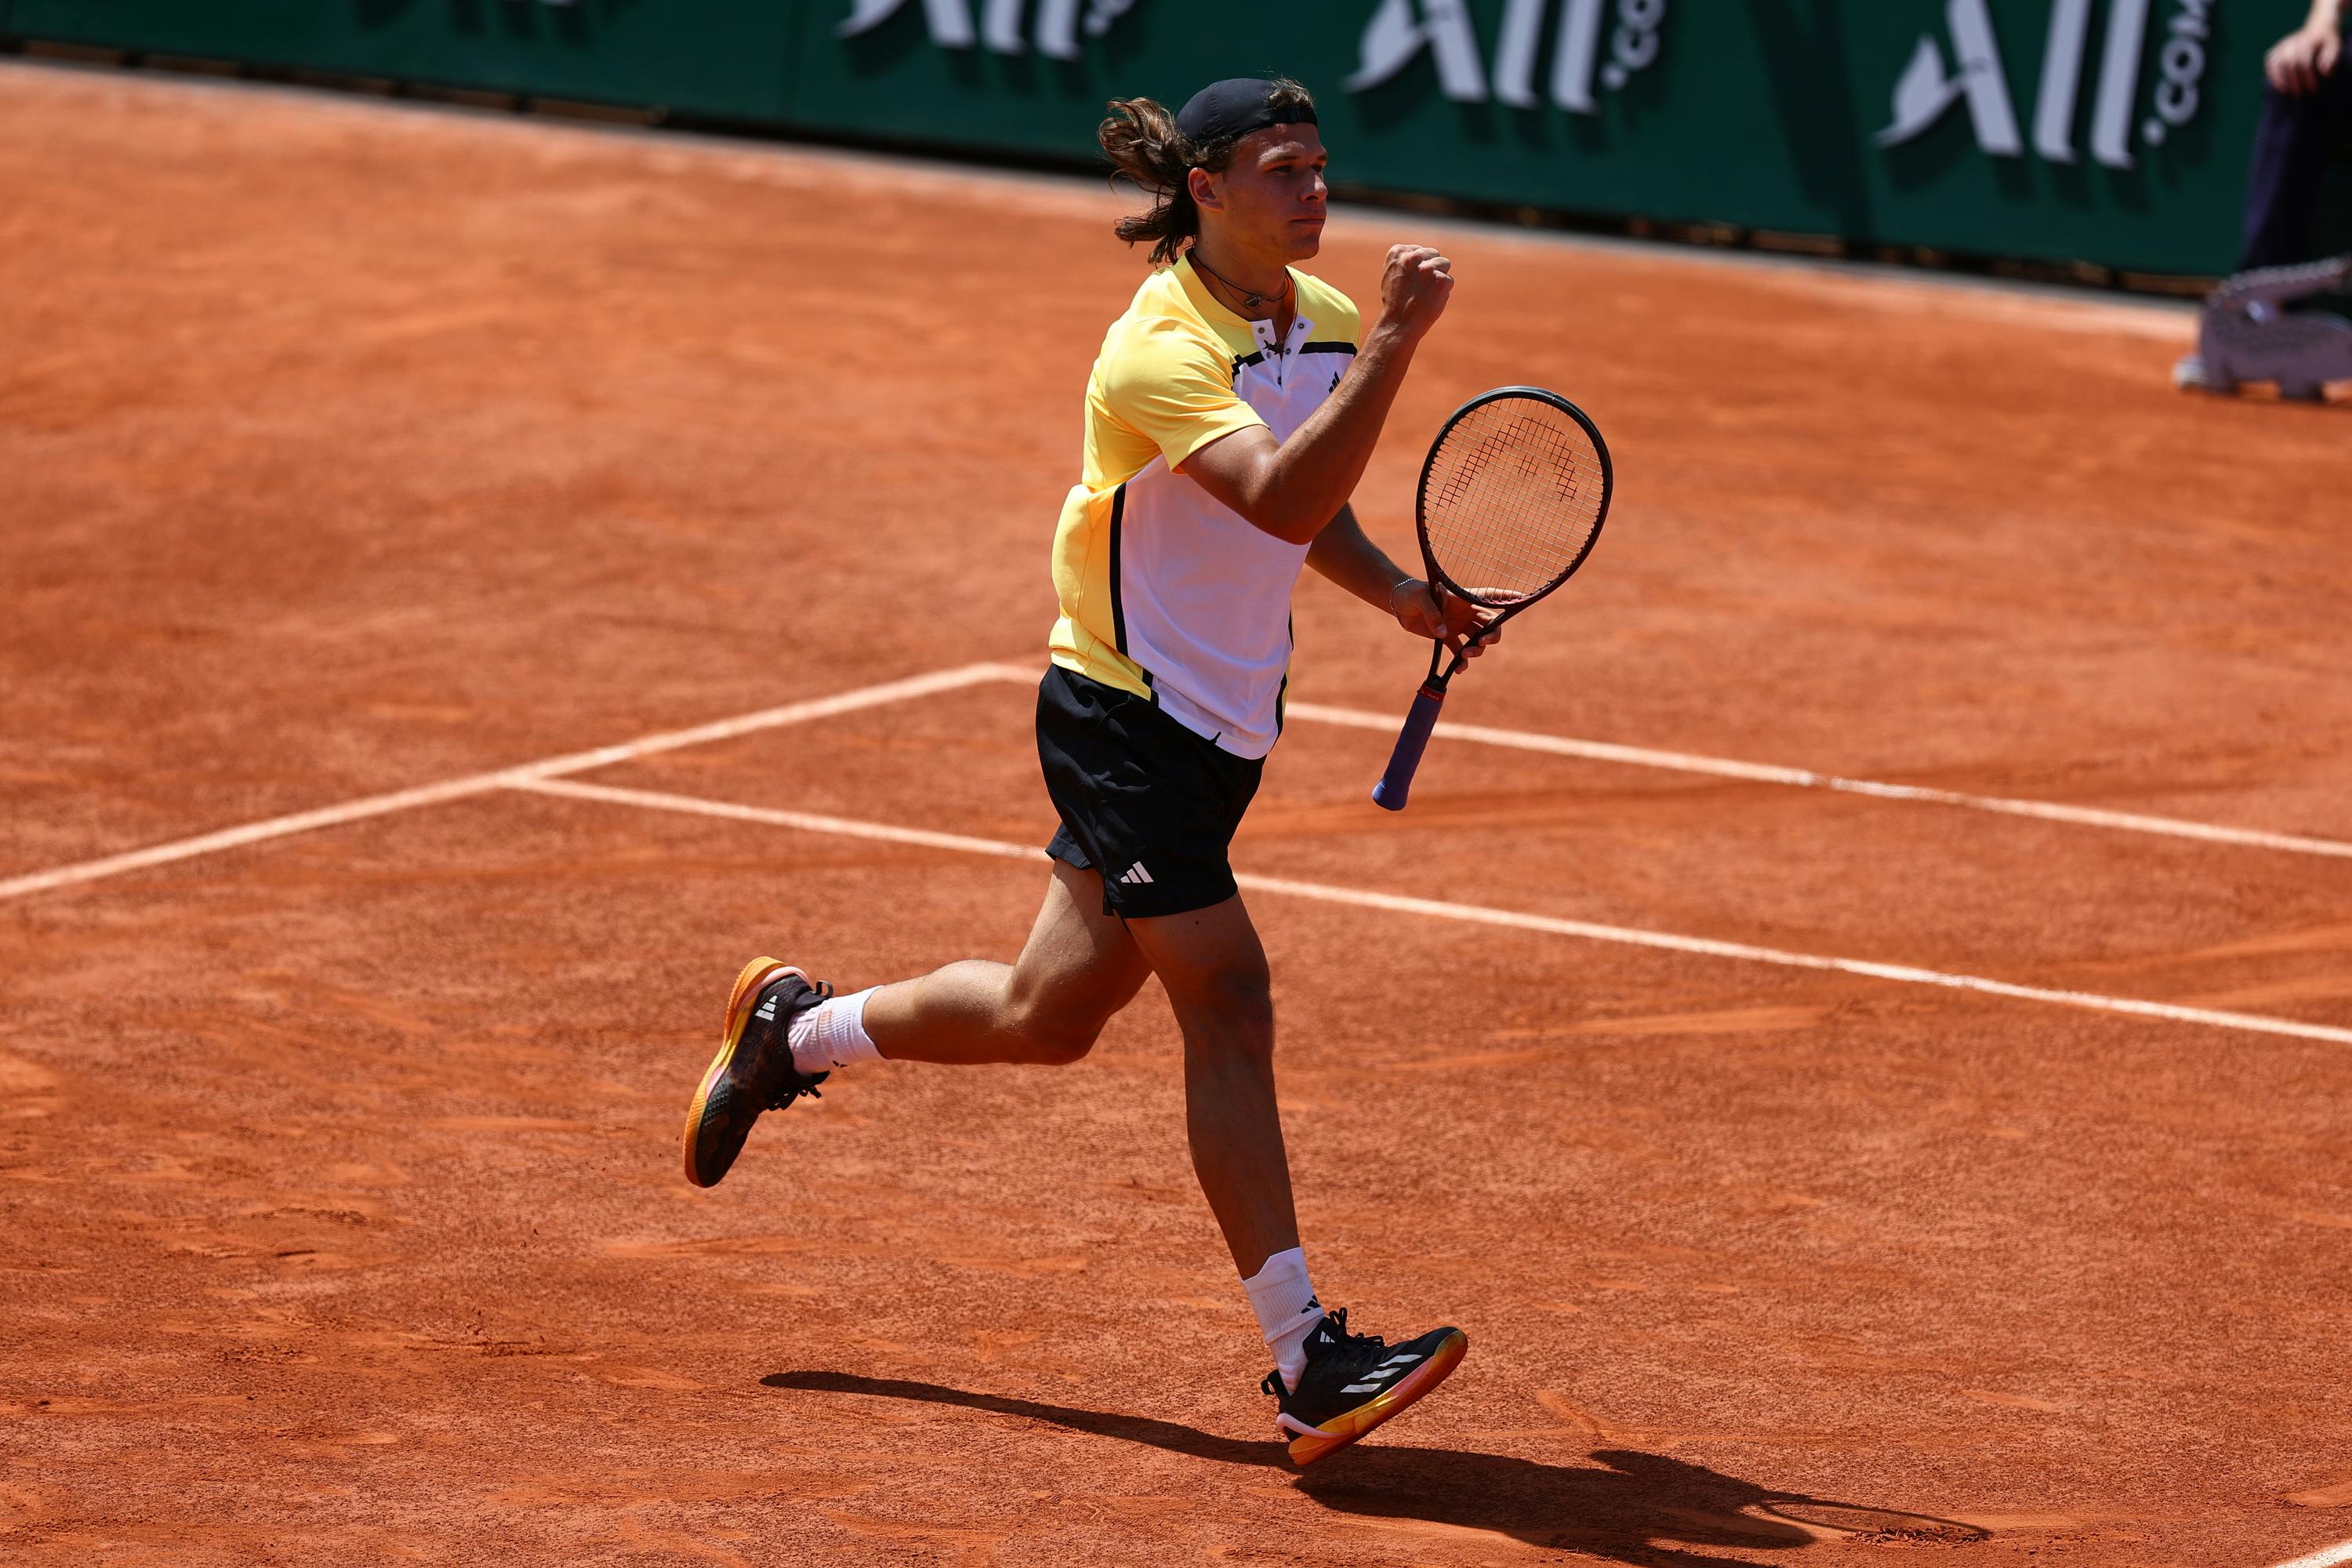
pixel 1511 500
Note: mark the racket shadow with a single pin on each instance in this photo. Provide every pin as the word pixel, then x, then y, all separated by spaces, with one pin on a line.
pixel 1644 1510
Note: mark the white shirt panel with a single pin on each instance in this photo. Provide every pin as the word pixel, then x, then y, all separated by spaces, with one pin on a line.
pixel 1205 594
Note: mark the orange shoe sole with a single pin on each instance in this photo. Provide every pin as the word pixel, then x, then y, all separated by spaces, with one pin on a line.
pixel 1306 1447
pixel 748 986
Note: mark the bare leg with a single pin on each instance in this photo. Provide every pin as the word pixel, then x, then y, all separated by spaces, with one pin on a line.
pixel 1215 969
pixel 1079 967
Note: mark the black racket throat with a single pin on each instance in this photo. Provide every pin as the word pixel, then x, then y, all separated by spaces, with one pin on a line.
pixel 1445 663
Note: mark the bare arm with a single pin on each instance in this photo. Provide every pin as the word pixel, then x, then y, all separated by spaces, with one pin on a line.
pixel 1342 552
pixel 1292 489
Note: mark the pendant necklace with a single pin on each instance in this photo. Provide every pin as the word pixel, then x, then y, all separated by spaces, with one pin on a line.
pixel 1251 299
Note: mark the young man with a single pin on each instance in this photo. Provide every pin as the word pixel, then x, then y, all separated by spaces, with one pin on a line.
pixel 1229 416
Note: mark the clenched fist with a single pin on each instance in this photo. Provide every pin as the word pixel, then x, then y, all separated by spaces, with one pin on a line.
pixel 1414 289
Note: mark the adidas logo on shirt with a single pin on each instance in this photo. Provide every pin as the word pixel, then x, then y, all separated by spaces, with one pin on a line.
pixel 1136 874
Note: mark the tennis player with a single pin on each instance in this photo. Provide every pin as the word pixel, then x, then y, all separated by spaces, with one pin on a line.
pixel 1227 420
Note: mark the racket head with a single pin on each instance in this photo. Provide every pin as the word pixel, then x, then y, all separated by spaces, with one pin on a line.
pixel 1512 496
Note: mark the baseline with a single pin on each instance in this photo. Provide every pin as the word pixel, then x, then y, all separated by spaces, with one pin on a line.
pixel 849 827
pixel 482 784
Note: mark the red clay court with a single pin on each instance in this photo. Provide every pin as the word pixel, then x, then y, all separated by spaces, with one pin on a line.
pixel 497 576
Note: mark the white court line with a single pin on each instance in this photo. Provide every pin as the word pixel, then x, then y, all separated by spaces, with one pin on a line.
pixel 1397 903
pixel 480 784
pixel 973 674
pixel 2326 1557
pixel 1802 778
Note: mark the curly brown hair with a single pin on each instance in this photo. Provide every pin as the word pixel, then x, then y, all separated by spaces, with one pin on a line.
pixel 1147 151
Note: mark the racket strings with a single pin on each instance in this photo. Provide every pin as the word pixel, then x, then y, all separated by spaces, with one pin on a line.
pixel 1514 495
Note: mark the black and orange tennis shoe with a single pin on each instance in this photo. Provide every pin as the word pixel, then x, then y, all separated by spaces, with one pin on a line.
pixel 754 1071
pixel 1355 1382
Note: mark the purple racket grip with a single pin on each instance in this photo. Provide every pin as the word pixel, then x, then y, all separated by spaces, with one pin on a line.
pixel 1397 783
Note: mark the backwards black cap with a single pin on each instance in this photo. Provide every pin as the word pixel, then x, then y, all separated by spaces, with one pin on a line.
pixel 1235 107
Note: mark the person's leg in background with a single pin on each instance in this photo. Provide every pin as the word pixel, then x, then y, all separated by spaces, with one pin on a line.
pixel 2306 109
pixel 2307 102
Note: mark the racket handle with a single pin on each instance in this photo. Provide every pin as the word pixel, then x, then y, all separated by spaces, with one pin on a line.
pixel 1397 783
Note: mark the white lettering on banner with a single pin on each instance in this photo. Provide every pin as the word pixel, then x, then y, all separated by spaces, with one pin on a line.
pixel 2182 66
pixel 1926 90
pixel 1400 31
pixel 2118 83
pixel 1392 37
pixel 2061 74
pixel 1515 57
pixel 949 23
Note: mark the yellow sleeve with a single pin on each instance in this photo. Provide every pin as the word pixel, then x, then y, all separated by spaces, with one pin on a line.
pixel 1174 387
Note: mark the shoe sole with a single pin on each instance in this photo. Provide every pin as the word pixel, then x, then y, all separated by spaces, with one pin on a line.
pixel 1342 1430
pixel 748 986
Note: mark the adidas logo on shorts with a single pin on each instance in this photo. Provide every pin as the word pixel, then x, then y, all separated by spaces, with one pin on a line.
pixel 1136 874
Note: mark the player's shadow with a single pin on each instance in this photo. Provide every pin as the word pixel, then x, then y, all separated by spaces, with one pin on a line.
pixel 1644 1510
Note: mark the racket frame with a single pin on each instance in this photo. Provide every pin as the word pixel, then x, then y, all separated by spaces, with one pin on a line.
pixel 1396 784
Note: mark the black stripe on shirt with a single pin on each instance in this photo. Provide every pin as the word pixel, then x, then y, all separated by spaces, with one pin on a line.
pixel 1118 604
pixel 1282 696
pixel 1333 346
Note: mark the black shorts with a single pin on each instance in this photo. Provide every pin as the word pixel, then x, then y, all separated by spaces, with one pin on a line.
pixel 1144 801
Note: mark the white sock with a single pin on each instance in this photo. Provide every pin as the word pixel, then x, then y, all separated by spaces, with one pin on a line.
pixel 833 1034
pixel 1287 1310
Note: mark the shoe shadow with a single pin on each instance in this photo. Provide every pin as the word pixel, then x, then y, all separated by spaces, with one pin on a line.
pixel 1644 1510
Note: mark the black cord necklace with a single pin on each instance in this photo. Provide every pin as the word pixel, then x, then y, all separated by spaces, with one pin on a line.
pixel 1251 299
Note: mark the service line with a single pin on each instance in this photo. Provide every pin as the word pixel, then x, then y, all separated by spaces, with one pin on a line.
pixel 1360 898
pixel 975 674
pixel 482 784
pixel 1802 778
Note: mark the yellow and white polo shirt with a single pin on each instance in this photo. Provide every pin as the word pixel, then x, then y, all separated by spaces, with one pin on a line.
pixel 1165 592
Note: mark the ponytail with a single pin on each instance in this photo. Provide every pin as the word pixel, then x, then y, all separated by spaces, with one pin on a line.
pixel 1147 152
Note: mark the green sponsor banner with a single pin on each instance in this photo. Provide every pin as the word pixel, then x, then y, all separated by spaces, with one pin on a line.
pixel 2113 131
pixel 2108 131
pixel 724 58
